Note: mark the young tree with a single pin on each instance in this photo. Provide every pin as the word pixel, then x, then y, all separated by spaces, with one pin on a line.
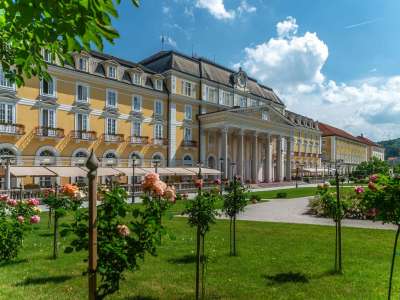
pixel 28 27
pixel 235 200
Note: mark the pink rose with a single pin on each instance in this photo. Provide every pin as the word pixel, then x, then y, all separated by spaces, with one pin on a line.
pixel 12 202
pixel 359 189
pixel 159 188
pixel 198 183
pixel 217 181
pixel 170 194
pixel 373 178
pixel 123 230
pixel 33 202
pixel 149 181
pixel 3 198
pixel 34 219
pixel 20 219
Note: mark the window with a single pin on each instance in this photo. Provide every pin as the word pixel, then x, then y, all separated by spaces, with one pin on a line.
pixel 227 98
pixel 137 103
pixel 187 160
pixel 242 101
pixel 187 134
pixel 253 102
pixel 6 152
pixel 82 121
pixel 83 64
pixel 48 87
pixel 264 115
pixel 82 93
pixel 211 94
pixel 188 88
pixel 137 78
pixel 49 159
pixel 188 112
pixel 159 84
pixel 111 126
pixel 111 98
pixel 7 113
pixel 158 107
pixel 47 56
pixel 158 131
pixel 112 72
pixel 5 82
pixel 48 118
pixel 137 128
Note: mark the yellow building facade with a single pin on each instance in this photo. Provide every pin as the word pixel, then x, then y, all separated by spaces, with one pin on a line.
pixel 170 107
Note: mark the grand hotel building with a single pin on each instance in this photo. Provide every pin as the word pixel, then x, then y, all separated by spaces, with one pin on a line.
pixel 168 107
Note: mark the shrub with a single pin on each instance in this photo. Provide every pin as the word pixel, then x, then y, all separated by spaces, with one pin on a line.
pixel 254 198
pixel 281 195
pixel 332 181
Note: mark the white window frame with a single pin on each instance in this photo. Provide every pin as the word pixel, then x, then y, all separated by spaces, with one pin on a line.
pixel 87 92
pixel 109 73
pixel 189 108
pixel 140 103
pixel 107 98
pixel 188 88
pixel 137 75
pixel 208 94
pixel 227 98
pixel 264 115
pixel 5 82
pixel 183 160
pixel 85 64
pixel 161 136
pixel 54 125
pixel 157 101
pixel 106 126
pixel 13 112
pixel 159 84
pixel 186 137
pixel 87 121
pixel 54 94
pixel 133 128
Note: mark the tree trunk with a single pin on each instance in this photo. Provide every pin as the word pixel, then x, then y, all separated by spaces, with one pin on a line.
pixel 234 235
pixel 393 261
pixel 55 237
pixel 198 262
pixel 230 237
pixel 203 263
pixel 49 221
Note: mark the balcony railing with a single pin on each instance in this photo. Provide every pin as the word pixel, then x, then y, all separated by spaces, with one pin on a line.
pixel 187 143
pixel 84 135
pixel 159 141
pixel 113 138
pixel 49 132
pixel 17 129
pixel 139 140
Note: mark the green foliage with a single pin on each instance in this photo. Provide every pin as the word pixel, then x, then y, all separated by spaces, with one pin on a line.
pixel 201 211
pixel 281 195
pixel 60 27
pixel 392 147
pixel 235 199
pixel 255 198
pixel 374 166
pixel 120 243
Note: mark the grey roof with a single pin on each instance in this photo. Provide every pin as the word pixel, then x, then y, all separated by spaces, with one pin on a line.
pixel 203 68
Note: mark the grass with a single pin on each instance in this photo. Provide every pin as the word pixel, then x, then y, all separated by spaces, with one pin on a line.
pixel 276 261
pixel 292 192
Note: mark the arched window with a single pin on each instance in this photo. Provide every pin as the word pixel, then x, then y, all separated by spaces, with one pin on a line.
pixel 46 153
pixel 157 158
pixel 187 160
pixel 110 155
pixel 211 162
pixel 6 152
pixel 81 154
pixel 138 159
pixel 110 158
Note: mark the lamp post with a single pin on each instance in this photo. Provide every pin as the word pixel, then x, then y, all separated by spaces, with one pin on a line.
pixel 233 164
pixel 221 160
pixel 133 177
pixel 156 163
pixel 297 174
pixel 338 256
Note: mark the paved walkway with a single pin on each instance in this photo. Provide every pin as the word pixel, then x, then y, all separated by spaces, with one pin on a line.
pixel 295 211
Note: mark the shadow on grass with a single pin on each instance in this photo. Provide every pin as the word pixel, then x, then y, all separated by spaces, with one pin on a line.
pixel 45 234
pixel 140 298
pixel 281 278
pixel 13 262
pixel 43 280
pixel 186 259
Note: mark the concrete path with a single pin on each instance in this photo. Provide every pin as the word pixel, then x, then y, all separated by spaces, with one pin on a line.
pixel 295 211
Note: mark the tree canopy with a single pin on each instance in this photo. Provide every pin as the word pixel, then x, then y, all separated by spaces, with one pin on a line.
pixel 29 27
pixel 373 166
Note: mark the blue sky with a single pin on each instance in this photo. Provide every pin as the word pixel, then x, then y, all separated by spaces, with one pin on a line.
pixel 336 61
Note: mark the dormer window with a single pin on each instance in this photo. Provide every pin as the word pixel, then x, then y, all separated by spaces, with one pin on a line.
pixel 159 84
pixel 112 72
pixel 137 78
pixel 83 64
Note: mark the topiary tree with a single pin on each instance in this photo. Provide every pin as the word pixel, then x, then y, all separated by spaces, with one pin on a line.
pixel 235 200
pixel 383 199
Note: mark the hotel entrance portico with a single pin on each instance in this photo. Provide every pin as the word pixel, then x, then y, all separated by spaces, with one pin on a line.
pixel 255 143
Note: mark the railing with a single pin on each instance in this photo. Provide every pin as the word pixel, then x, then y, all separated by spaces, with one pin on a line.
pixel 84 135
pixel 187 143
pixel 49 132
pixel 17 129
pixel 139 140
pixel 159 141
pixel 113 138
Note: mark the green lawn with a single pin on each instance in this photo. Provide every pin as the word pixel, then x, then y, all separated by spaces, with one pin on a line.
pixel 292 192
pixel 276 261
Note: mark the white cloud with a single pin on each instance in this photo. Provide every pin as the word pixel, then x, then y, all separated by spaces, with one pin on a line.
pixel 169 41
pixel 245 7
pixel 166 10
pixel 293 65
pixel 216 8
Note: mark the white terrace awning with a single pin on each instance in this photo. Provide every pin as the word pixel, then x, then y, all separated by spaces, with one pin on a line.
pixel 128 171
pixel 205 171
pixel 160 171
pixel 30 171
pixel 68 171
pixel 181 172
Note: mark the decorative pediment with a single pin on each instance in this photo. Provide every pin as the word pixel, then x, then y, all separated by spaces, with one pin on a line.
pixel 111 112
pixel 239 79
pixel 8 95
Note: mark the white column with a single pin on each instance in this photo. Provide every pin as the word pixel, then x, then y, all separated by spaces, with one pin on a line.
pixel 279 164
pixel 288 158
pixel 268 159
pixel 172 135
pixel 224 133
pixel 7 179
pixel 254 159
pixel 240 161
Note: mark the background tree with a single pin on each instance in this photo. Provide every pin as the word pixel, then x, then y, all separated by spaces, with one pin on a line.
pixel 28 27
pixel 235 200
pixel 373 166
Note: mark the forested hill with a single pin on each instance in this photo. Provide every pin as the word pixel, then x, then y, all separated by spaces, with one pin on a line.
pixel 392 147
